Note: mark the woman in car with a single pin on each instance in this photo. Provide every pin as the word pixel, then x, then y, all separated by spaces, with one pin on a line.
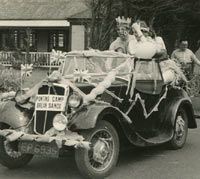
pixel 144 34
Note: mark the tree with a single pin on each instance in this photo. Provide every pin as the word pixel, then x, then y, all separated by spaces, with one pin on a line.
pixel 171 19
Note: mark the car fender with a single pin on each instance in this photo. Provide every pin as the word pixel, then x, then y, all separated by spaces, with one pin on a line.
pixel 171 109
pixel 12 115
pixel 87 117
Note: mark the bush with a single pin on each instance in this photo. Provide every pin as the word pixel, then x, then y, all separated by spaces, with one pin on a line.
pixel 10 79
pixel 17 59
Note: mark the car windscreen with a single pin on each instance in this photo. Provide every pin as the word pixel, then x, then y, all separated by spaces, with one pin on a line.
pixel 96 65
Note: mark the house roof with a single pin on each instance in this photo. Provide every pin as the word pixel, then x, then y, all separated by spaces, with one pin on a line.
pixel 43 9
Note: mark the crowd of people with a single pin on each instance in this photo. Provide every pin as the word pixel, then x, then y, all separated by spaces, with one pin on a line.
pixel 131 43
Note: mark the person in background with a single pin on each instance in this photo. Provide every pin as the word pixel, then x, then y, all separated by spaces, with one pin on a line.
pixel 197 53
pixel 185 57
pixel 196 69
pixel 124 37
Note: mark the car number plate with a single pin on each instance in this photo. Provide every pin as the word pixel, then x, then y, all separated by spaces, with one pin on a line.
pixel 38 148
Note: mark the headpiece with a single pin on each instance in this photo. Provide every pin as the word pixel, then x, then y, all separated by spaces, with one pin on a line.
pixel 123 22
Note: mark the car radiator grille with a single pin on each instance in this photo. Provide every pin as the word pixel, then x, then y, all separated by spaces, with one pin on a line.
pixel 43 119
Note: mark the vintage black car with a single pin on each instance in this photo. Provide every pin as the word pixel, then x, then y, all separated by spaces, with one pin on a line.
pixel 96 104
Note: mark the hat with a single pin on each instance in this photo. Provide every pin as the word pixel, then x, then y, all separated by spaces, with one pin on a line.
pixel 123 22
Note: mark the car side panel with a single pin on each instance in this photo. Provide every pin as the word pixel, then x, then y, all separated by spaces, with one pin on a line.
pixel 169 112
pixel 87 117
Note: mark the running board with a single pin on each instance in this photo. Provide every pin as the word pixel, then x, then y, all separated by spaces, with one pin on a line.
pixel 138 140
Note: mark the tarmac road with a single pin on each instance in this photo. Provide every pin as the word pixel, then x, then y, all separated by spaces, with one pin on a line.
pixel 146 163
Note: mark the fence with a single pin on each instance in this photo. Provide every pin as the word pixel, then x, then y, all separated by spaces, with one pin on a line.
pixel 39 59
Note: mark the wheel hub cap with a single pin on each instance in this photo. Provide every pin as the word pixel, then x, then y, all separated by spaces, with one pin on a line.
pixel 180 123
pixel 101 150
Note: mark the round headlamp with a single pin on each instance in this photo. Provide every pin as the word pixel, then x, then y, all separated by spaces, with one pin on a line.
pixel 60 122
pixel 74 100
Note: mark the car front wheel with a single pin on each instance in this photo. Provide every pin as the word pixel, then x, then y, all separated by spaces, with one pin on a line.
pixel 180 130
pixel 10 157
pixel 101 158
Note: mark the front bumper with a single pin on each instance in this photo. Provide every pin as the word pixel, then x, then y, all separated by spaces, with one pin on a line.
pixel 64 138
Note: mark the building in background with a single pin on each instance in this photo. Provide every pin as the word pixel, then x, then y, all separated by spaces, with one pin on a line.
pixel 45 24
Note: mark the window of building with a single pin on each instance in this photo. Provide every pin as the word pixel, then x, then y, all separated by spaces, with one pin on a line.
pixel 58 40
pixel 12 39
pixel 8 40
pixel 33 41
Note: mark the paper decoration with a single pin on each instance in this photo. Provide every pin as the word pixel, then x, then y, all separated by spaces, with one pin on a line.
pixel 26 70
pixel 81 75
pixel 55 76
pixel 142 102
pixel 57 56
pixel 66 138
pixel 7 95
pixel 101 87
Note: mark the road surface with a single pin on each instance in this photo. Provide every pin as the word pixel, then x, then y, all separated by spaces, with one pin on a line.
pixel 147 163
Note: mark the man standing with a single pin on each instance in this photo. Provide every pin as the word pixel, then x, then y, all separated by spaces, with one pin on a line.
pixel 185 57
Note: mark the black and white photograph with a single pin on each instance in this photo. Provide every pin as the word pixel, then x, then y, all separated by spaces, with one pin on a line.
pixel 94 89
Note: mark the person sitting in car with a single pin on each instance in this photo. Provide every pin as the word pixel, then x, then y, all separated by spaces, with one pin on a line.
pixel 144 34
pixel 150 48
pixel 124 37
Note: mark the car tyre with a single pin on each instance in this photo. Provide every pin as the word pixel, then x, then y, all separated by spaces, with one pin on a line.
pixel 180 130
pixel 101 158
pixel 9 156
